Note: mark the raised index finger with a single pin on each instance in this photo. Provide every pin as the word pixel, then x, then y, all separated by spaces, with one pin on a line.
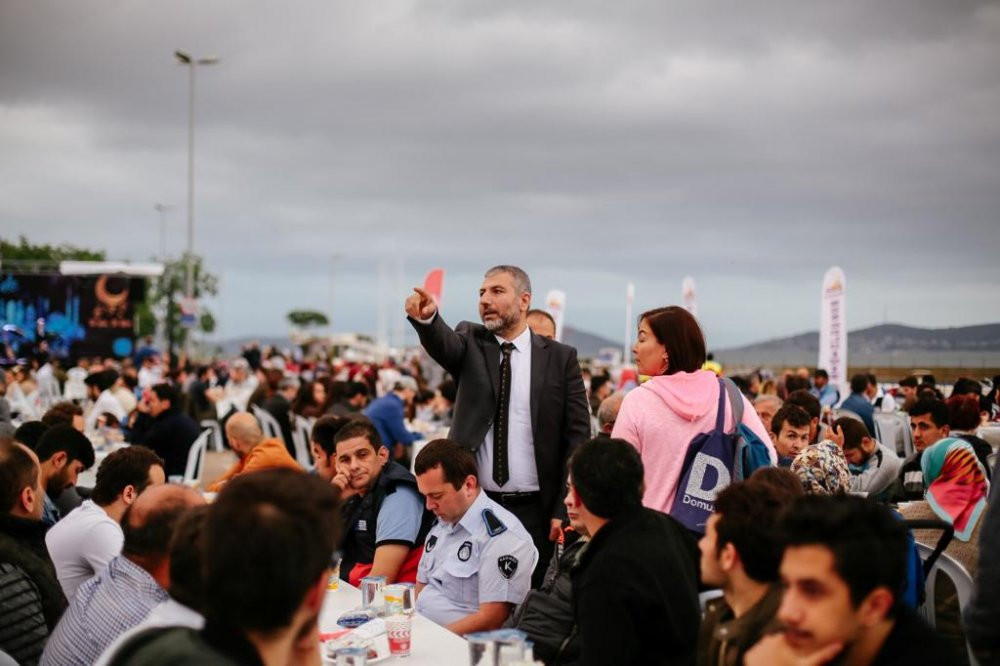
pixel 423 294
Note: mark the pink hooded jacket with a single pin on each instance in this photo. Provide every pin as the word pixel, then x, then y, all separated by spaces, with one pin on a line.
pixel 661 417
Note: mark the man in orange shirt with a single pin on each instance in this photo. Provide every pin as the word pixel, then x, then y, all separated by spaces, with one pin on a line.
pixel 255 452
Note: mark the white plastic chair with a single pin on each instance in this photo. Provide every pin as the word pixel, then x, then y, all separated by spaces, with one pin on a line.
pixel 959 577
pixel 895 432
pixel 196 459
pixel 301 427
pixel 216 433
pixel 268 423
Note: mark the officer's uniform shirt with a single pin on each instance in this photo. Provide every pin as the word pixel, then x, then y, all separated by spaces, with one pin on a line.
pixel 487 556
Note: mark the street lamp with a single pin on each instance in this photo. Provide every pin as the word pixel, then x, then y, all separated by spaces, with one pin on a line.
pixel 191 63
pixel 162 210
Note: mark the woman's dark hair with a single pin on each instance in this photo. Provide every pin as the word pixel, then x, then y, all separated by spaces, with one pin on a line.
pixel 676 329
pixel 963 412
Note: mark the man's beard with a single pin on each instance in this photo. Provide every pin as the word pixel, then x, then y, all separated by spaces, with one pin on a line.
pixel 501 322
pixel 56 485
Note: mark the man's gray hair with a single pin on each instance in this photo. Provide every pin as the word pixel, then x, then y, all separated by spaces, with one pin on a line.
pixel 287 383
pixel 763 399
pixel 521 280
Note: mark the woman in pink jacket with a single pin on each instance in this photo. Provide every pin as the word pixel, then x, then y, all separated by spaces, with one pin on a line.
pixel 663 415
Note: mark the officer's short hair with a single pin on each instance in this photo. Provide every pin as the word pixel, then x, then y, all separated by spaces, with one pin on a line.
pixel 456 462
pixel 358 428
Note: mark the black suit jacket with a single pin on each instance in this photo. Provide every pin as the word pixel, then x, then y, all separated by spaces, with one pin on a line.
pixel 560 418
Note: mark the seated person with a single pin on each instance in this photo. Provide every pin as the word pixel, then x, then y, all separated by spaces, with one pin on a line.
pixel 843 565
pixel 385 522
pixel 873 467
pixel 85 541
pixel 956 493
pixel 929 423
pixel 767 406
pixel 547 613
pixel 635 588
pixel 254 451
pixel 810 403
pixel 822 469
pixel 266 546
pixel 790 429
pixel 122 595
pixel 321 446
pixel 478 558
pixel 32 601
pixel 740 554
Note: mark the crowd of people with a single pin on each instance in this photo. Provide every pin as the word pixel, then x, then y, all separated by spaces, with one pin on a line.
pixel 661 515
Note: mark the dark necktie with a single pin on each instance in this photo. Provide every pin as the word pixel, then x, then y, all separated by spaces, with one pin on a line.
pixel 501 471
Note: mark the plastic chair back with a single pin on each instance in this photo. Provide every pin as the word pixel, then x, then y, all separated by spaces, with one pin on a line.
pixel 301 427
pixel 959 577
pixel 268 423
pixel 196 459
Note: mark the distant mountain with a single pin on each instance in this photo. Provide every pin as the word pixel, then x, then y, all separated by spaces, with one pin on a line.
pixel 889 338
pixel 587 344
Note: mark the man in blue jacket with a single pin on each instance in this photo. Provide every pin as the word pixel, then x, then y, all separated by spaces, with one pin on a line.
pixel 858 402
pixel 386 414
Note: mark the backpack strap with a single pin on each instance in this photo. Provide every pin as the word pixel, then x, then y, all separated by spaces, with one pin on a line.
pixel 720 416
pixel 736 398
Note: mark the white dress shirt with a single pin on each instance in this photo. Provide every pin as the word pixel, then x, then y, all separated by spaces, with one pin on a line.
pixel 82 544
pixel 106 402
pixel 520 444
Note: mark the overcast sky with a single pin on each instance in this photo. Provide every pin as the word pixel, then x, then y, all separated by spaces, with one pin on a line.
pixel 594 143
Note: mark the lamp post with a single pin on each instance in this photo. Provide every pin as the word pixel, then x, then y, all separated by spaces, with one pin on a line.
pixel 162 210
pixel 191 62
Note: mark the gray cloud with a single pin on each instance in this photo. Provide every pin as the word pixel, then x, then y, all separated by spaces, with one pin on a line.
pixel 593 143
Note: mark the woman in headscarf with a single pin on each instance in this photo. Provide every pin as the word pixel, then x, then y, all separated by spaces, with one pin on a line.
pixel 956 493
pixel 822 469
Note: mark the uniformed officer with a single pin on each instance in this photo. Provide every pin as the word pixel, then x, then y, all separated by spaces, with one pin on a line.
pixel 478 558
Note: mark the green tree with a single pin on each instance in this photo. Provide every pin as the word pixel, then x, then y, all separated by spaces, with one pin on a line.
pixel 162 306
pixel 23 254
pixel 307 318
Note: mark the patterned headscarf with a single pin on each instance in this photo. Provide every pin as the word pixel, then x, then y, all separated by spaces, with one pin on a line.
pixel 956 484
pixel 822 469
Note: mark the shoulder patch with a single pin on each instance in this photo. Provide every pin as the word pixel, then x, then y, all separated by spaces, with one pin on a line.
pixel 507 564
pixel 494 525
pixel 431 541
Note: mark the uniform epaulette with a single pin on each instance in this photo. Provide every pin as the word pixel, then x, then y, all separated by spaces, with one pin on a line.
pixel 494 525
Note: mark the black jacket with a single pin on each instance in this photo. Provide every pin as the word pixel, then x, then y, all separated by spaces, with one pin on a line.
pixel 635 593
pixel 170 435
pixel 546 614
pixel 560 416
pixel 358 547
pixel 31 599
pixel 279 407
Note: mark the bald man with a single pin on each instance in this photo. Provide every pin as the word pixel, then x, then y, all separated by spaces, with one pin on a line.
pixel 132 584
pixel 255 452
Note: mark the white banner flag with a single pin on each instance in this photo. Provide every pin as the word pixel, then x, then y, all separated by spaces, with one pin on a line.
pixel 629 324
pixel 688 296
pixel 555 303
pixel 833 328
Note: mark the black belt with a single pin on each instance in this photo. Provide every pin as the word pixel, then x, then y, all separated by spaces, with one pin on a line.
pixel 514 499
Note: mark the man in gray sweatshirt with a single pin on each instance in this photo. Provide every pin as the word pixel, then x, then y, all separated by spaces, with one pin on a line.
pixel 874 467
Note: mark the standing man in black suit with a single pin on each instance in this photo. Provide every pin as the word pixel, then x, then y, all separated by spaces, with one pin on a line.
pixel 521 406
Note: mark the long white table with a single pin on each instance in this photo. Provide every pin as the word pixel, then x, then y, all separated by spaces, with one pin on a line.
pixel 431 644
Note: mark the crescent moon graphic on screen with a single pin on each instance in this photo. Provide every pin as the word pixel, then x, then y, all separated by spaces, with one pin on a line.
pixel 106 297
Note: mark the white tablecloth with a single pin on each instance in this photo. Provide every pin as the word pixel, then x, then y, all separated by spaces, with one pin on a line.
pixel 431 645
